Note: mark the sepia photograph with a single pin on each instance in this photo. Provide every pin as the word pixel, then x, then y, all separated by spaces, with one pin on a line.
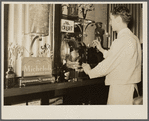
pixel 74 60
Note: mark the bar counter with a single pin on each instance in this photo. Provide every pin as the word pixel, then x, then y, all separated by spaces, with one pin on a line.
pixel 47 91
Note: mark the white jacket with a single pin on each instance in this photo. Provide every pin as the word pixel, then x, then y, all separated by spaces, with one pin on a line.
pixel 122 63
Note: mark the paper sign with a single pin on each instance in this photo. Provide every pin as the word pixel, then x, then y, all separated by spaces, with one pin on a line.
pixel 36 66
pixel 67 26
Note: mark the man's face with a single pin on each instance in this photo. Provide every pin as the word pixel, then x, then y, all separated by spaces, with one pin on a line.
pixel 112 22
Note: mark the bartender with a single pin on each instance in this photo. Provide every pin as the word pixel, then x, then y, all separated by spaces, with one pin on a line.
pixel 122 63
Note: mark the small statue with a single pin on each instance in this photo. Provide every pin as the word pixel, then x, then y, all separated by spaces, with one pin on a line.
pixel 99 32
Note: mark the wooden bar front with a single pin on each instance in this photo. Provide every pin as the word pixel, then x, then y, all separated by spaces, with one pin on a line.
pixel 73 93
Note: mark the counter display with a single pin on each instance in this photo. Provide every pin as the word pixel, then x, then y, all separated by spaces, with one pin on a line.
pixel 47 91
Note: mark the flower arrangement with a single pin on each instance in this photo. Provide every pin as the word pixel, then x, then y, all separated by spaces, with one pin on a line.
pixel 84 8
pixel 14 51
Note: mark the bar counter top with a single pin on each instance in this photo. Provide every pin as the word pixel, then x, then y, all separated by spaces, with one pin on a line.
pixel 50 87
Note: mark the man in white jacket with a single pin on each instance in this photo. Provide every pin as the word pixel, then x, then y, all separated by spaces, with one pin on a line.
pixel 122 63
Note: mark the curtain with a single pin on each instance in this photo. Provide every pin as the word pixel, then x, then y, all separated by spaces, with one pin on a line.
pixel 24 22
pixel 135 24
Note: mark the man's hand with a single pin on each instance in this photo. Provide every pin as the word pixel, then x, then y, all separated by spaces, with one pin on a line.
pixel 86 67
pixel 97 44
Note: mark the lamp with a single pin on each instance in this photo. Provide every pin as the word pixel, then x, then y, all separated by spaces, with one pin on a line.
pixel 38 22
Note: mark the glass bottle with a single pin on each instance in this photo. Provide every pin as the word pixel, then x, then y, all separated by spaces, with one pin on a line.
pixel 10 78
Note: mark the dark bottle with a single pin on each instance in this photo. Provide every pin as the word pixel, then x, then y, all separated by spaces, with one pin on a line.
pixel 10 78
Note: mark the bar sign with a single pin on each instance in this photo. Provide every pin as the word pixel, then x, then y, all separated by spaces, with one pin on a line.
pixel 67 26
pixel 37 66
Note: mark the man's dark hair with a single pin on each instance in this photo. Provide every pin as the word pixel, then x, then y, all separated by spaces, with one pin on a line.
pixel 123 12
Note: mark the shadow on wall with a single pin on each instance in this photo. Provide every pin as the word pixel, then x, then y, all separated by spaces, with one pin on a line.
pixel 130 25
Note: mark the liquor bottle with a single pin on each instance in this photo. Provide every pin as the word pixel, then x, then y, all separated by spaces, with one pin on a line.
pixel 10 78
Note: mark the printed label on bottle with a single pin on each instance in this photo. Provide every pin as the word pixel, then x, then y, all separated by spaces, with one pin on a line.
pixel 10 76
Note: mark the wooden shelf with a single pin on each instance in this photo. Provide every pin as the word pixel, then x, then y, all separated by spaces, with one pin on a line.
pixel 75 18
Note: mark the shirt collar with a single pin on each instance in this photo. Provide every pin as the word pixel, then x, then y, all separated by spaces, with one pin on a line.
pixel 125 30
